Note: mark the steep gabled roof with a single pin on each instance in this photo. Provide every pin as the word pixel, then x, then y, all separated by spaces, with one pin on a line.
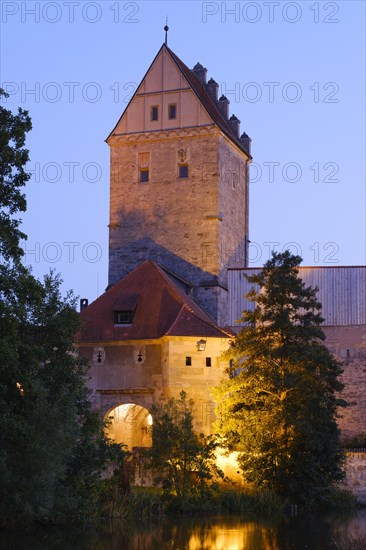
pixel 200 91
pixel 206 100
pixel 161 308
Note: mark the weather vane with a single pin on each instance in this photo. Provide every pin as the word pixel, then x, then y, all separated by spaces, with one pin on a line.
pixel 166 28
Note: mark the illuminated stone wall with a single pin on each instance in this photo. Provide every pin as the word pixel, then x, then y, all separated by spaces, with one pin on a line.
pixel 348 343
pixel 152 371
pixel 356 475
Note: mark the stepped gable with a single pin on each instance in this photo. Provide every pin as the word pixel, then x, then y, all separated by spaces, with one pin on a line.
pixel 159 306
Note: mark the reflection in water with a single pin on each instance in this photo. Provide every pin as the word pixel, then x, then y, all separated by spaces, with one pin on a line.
pixel 197 533
pixel 235 537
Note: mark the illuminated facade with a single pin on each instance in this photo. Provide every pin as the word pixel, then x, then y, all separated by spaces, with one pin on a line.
pixel 179 220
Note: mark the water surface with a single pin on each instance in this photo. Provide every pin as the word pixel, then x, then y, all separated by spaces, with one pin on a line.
pixel 195 533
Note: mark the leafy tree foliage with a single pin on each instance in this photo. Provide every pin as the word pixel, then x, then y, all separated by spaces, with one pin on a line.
pixel 278 405
pixel 52 444
pixel 13 176
pixel 183 457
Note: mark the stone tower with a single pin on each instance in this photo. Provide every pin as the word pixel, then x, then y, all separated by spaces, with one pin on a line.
pixel 179 182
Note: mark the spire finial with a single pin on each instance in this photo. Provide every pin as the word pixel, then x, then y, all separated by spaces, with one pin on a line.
pixel 166 28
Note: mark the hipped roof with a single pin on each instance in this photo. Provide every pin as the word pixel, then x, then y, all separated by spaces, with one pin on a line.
pixel 160 309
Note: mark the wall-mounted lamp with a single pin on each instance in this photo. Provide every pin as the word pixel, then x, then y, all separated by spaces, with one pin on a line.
pixel 139 357
pixel 201 345
pixel 99 357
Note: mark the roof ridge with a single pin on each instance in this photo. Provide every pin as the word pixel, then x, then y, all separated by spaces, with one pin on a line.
pixel 194 77
pixel 166 277
pixel 212 323
pixel 135 92
pixel 175 320
pixel 195 83
pixel 184 297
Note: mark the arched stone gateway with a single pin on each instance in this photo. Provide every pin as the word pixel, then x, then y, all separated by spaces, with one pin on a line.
pixel 129 424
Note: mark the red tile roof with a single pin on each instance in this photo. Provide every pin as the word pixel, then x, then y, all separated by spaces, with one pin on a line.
pixel 160 307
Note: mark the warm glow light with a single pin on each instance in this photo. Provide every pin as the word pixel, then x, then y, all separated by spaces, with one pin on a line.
pixel 201 345
pixel 129 425
pixel 228 463
pixel 232 537
pixel 20 388
pixel 220 539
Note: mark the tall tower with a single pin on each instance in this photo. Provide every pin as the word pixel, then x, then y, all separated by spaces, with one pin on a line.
pixel 179 182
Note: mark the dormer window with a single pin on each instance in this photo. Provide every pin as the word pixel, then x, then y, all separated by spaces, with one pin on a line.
pixel 123 317
pixel 124 309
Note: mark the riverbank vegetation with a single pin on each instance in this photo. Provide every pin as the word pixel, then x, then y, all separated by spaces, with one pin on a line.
pixel 242 501
pixel 150 502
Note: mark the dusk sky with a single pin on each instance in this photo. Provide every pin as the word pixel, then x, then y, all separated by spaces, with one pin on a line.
pixel 294 75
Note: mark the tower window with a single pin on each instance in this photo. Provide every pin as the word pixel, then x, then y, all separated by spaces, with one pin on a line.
pixel 172 111
pixel 123 317
pixel 208 361
pixel 154 112
pixel 144 176
pixel 183 171
pixel 188 361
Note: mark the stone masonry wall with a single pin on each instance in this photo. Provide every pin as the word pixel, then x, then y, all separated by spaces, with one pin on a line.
pixel 348 344
pixel 233 205
pixel 356 475
pixel 179 215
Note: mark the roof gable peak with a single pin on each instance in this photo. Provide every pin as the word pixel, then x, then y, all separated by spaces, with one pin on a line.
pixel 206 92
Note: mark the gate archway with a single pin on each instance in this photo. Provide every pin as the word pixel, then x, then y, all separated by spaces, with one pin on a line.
pixel 130 424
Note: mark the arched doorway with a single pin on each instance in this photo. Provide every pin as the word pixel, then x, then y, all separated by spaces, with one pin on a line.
pixel 129 424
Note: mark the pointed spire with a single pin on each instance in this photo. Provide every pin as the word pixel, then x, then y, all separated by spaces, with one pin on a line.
pixel 166 28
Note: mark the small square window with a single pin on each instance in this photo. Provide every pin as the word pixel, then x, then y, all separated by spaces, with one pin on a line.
pixel 208 361
pixel 183 171
pixel 154 112
pixel 172 111
pixel 188 361
pixel 144 176
pixel 124 317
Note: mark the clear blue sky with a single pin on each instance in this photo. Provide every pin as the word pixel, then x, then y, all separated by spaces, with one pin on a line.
pixel 294 75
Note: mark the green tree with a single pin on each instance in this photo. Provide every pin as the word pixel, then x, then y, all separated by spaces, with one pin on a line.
pixel 52 445
pixel 13 176
pixel 182 456
pixel 278 405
